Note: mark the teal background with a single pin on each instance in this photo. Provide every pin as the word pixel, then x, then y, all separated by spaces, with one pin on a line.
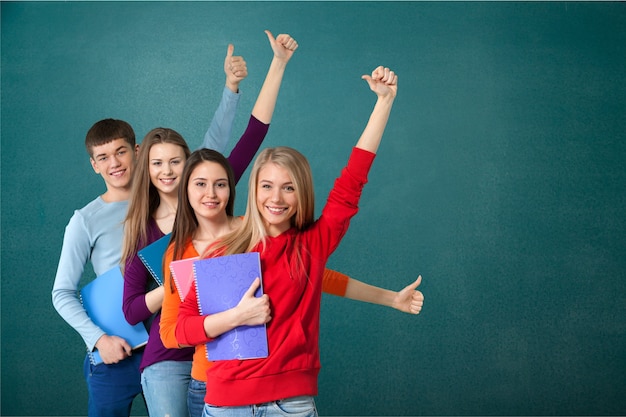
pixel 501 179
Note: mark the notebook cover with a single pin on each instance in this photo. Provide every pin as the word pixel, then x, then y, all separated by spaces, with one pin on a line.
pixel 102 299
pixel 220 284
pixel 152 257
pixel 182 274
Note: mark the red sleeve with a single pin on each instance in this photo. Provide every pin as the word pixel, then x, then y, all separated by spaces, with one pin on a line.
pixel 190 326
pixel 343 201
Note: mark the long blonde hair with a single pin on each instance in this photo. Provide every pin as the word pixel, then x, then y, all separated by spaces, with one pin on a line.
pixel 252 231
pixel 144 197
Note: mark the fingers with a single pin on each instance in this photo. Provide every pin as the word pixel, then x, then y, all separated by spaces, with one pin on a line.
pixel 385 75
pixel 283 39
pixel 287 41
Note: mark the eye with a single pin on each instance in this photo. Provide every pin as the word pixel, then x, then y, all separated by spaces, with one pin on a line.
pixel 200 184
pixel 156 163
pixel 289 188
pixel 265 186
pixel 221 185
pixel 102 159
pixel 123 152
pixel 176 161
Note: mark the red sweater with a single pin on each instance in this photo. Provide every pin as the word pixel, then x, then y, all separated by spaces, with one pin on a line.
pixel 294 288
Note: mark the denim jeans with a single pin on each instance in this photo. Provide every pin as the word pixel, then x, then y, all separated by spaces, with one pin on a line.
pixel 290 407
pixel 165 386
pixel 195 397
pixel 112 388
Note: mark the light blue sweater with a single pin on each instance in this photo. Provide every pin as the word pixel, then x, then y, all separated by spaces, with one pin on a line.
pixel 95 232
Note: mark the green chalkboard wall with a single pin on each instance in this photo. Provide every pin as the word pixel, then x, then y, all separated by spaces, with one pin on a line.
pixel 501 179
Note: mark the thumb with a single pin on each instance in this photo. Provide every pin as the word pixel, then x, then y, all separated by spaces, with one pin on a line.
pixel 270 36
pixel 369 80
pixel 415 284
pixel 127 348
pixel 255 285
pixel 231 49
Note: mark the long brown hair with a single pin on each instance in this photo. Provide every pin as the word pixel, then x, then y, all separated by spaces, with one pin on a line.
pixel 144 197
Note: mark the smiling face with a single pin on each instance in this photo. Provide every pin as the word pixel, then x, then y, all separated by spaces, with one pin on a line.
pixel 276 198
pixel 166 162
pixel 114 161
pixel 208 190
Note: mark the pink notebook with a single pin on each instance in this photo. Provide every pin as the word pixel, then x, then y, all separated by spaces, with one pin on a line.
pixel 182 273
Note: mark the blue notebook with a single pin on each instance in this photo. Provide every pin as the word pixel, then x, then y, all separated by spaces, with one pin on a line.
pixel 220 284
pixel 102 299
pixel 152 257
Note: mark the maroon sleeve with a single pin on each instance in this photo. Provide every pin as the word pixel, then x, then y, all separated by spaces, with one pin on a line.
pixel 249 143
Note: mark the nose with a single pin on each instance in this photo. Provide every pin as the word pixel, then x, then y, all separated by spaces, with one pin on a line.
pixel 115 161
pixel 276 195
pixel 168 169
pixel 210 191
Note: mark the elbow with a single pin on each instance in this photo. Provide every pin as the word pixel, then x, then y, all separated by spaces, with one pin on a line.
pixel 168 339
pixel 131 318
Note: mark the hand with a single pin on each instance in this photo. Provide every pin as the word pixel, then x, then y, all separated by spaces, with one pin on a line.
pixel 235 69
pixel 113 349
pixel 283 46
pixel 409 299
pixel 383 82
pixel 254 310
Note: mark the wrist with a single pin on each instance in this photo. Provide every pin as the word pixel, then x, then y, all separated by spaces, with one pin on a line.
pixel 232 86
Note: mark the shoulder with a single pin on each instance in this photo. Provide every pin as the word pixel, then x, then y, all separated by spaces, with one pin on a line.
pixel 99 214
pixel 98 207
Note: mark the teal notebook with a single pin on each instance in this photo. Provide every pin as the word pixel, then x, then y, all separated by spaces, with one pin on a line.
pixel 102 299
pixel 152 257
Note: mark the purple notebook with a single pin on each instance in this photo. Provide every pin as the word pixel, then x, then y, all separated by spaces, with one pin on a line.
pixel 220 284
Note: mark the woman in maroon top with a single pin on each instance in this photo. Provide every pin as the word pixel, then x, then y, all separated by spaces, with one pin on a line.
pixel 154 199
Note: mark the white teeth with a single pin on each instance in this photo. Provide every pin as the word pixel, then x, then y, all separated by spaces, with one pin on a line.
pixel 275 210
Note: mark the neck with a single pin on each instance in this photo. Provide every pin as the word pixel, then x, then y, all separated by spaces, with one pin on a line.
pixel 115 195
pixel 167 205
pixel 210 230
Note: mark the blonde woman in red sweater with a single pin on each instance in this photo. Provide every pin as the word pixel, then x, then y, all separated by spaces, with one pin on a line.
pixel 294 248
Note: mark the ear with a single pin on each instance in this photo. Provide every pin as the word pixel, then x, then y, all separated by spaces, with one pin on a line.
pixel 136 150
pixel 94 166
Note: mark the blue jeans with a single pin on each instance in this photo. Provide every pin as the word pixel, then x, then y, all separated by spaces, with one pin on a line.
pixel 293 407
pixel 165 386
pixel 112 388
pixel 195 397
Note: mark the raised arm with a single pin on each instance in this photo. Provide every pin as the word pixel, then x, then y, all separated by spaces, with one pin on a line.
pixel 384 83
pixel 242 154
pixel 283 47
pixel 221 126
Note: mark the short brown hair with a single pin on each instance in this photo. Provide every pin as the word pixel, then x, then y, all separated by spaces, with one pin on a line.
pixel 107 130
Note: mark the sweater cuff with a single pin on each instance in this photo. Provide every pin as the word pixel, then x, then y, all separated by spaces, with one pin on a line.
pixel 360 162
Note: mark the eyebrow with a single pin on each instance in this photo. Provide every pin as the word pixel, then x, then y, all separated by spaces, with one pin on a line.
pixel 204 179
pixel 272 182
pixel 115 151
